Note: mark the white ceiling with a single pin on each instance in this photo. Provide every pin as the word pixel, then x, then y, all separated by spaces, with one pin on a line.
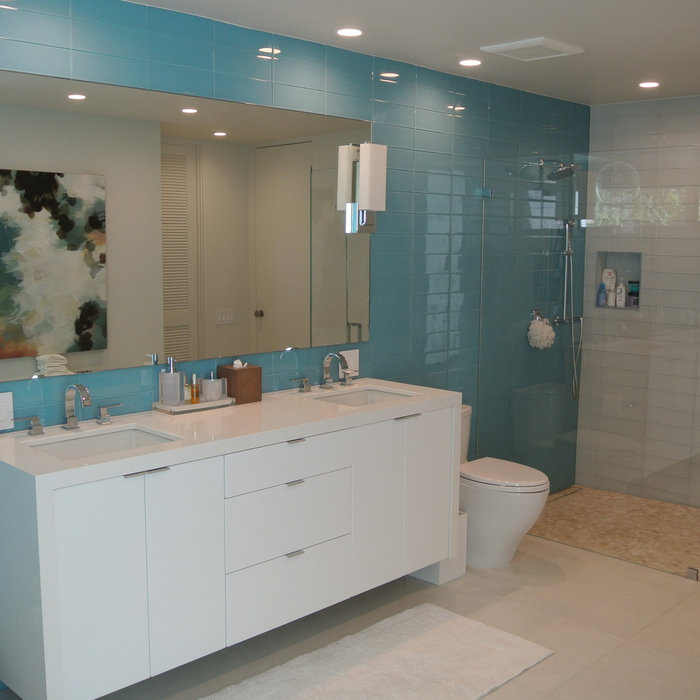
pixel 624 41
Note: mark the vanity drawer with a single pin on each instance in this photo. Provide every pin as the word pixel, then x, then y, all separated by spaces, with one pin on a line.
pixel 265 524
pixel 271 594
pixel 267 466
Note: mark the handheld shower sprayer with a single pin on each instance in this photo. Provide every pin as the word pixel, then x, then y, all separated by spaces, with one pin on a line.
pixel 567 316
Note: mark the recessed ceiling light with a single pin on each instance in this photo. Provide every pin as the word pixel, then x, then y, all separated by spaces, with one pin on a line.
pixel 649 84
pixel 76 97
pixel 470 62
pixel 270 50
pixel 349 31
pixel 389 75
pixel 189 110
pixel 219 133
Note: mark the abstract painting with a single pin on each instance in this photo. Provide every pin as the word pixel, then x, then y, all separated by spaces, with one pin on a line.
pixel 53 255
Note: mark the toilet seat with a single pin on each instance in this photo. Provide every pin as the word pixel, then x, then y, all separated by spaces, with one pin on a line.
pixel 494 474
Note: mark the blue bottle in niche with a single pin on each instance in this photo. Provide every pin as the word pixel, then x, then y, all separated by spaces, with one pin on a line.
pixel 601 299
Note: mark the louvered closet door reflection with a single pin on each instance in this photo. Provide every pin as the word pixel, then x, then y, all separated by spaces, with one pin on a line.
pixel 179 228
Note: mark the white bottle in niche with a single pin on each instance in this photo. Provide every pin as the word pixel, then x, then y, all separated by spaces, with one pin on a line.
pixel 620 295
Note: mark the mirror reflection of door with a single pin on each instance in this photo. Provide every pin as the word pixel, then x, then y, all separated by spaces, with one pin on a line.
pixel 357 270
pixel 180 264
pixel 282 256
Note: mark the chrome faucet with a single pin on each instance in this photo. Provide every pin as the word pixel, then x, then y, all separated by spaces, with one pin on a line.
pixel 81 391
pixel 343 370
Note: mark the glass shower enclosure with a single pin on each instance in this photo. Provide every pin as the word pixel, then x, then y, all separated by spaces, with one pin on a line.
pixel 531 243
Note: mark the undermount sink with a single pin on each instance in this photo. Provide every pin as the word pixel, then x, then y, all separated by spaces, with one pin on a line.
pixel 101 441
pixel 363 396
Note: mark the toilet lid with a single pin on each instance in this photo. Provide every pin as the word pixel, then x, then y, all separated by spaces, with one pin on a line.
pixel 500 472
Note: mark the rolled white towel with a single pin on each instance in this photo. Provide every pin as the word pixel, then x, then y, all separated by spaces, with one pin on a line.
pixel 540 334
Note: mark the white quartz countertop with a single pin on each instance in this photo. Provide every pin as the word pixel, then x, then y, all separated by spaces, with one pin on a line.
pixel 280 416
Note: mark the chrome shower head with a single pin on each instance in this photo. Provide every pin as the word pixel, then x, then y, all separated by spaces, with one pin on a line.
pixel 563 171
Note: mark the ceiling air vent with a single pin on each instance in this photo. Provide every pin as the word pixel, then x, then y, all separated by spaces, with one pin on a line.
pixel 533 49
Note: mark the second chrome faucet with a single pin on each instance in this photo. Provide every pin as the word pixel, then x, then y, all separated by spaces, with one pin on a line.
pixel 344 372
pixel 72 391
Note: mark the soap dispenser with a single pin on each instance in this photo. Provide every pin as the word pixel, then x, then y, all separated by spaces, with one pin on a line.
pixel 171 385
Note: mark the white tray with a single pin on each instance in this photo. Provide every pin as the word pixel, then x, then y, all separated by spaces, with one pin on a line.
pixel 189 407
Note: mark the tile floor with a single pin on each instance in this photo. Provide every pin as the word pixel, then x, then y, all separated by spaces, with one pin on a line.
pixel 618 630
pixel 640 530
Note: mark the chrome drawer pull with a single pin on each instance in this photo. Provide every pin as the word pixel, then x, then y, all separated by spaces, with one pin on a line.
pixel 295 553
pixel 410 415
pixel 146 471
pixel 296 482
pixel 296 441
pixel 157 469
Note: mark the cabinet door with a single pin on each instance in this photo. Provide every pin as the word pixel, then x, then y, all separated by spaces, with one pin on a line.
pixel 186 584
pixel 101 586
pixel 378 504
pixel 429 485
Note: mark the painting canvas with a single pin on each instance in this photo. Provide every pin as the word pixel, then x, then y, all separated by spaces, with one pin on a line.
pixel 53 255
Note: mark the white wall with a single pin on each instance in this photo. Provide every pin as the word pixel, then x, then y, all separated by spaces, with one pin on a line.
pixel 639 418
pixel 127 153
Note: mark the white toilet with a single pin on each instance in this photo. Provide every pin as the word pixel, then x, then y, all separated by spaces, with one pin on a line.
pixel 502 501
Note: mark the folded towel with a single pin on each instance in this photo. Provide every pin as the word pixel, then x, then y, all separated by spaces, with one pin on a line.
pixel 55 371
pixel 52 364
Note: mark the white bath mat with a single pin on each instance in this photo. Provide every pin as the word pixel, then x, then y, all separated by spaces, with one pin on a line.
pixel 423 652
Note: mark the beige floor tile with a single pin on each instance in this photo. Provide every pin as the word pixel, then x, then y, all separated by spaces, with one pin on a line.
pixel 576 646
pixel 676 632
pixel 633 672
pixel 515 690
pixel 624 607
pixel 570 558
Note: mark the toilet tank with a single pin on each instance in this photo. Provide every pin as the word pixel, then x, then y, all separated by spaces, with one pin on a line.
pixel 464 434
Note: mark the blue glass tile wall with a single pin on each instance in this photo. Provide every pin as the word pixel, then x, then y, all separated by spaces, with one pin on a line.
pixel 455 272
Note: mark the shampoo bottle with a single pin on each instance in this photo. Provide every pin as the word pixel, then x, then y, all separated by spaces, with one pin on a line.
pixel 601 299
pixel 621 295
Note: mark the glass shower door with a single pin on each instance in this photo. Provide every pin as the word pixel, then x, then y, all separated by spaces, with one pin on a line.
pixel 526 410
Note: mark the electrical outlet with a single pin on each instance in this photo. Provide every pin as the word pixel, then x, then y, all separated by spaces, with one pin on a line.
pixel 353 359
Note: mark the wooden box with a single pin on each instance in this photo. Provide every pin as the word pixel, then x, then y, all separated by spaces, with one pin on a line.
pixel 244 384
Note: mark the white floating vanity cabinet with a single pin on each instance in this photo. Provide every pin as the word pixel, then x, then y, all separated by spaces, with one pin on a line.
pixel 116 571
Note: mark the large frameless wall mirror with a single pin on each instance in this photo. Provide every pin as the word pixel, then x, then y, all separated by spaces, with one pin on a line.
pixel 216 245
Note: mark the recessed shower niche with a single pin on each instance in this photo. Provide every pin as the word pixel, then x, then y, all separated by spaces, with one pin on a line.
pixel 626 271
